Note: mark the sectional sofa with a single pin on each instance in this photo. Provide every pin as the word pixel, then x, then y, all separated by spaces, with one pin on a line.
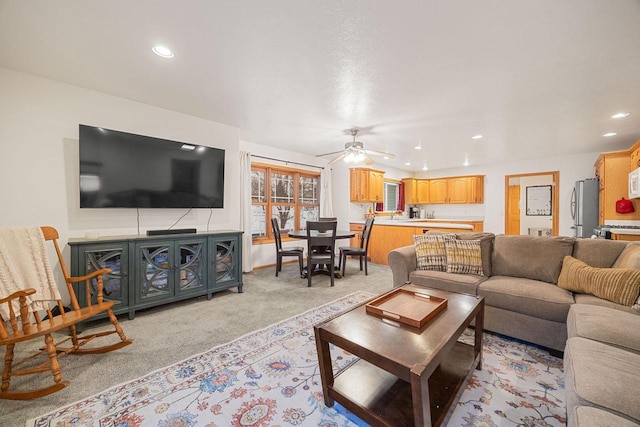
pixel 577 296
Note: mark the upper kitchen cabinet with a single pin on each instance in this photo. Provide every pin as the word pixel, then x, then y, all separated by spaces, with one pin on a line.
pixel 416 191
pixel 612 169
pixel 367 185
pixel 457 190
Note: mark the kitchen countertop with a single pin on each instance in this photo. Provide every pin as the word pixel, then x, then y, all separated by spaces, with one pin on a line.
pixel 418 223
pixel 627 231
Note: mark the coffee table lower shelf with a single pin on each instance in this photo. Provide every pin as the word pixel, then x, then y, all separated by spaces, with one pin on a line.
pixel 381 398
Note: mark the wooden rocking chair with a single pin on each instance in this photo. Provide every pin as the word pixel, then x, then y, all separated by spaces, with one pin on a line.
pixel 28 324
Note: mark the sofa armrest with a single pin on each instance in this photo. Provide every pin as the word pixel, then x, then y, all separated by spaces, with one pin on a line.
pixel 402 262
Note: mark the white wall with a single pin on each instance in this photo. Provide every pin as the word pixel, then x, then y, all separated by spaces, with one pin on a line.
pixel 39 160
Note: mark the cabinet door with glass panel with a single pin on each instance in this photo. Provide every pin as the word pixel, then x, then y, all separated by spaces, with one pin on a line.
pixel 170 268
pixel 225 262
pixel 291 196
pixel 92 257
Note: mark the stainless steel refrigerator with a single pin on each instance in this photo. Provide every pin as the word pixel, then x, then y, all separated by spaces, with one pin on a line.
pixel 584 207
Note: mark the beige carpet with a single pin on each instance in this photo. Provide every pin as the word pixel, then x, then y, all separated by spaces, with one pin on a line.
pixel 168 334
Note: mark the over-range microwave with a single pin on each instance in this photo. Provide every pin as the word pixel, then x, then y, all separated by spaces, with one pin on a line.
pixel 634 184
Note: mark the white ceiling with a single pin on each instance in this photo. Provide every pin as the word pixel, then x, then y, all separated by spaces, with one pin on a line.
pixel 536 78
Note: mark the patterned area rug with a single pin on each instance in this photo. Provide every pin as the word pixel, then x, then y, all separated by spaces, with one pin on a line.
pixel 270 378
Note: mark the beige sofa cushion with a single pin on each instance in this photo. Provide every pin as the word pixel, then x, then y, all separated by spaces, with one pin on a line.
pixel 601 376
pixel 530 257
pixel 629 258
pixel 461 283
pixel 598 252
pixel 607 325
pixel 588 416
pixel 531 297
pixel 593 300
pixel 613 284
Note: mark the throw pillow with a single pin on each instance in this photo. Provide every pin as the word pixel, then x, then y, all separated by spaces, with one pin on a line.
pixel 629 258
pixel 463 256
pixel 619 285
pixel 430 251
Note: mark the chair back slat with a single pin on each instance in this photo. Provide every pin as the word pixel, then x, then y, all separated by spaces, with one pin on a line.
pixel 364 238
pixel 321 234
pixel 51 234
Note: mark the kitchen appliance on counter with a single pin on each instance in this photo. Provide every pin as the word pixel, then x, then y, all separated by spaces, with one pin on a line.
pixel 584 207
pixel 413 212
pixel 604 231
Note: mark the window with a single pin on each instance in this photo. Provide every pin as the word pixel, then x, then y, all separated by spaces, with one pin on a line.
pixel 290 195
pixel 391 194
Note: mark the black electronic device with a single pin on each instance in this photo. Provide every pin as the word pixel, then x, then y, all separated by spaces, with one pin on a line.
pixel 124 170
pixel 171 231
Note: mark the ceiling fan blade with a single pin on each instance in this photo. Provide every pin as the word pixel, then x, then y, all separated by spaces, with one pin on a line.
pixel 329 154
pixel 380 154
pixel 368 160
pixel 340 157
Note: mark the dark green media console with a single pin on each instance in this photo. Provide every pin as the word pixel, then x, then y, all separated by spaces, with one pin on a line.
pixel 147 271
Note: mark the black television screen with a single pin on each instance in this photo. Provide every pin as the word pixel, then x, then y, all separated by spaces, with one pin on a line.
pixel 124 170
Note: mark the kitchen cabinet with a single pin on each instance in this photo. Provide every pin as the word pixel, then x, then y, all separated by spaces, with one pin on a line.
pixel 457 190
pixel 366 185
pixel 390 237
pixel 618 236
pixel 416 191
pixel 357 229
pixel 147 271
pixel 612 169
pixel 635 156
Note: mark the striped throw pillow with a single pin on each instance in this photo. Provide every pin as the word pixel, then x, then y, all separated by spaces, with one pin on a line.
pixel 430 251
pixel 463 256
pixel 620 285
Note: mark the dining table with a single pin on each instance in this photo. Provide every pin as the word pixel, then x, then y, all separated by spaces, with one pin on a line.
pixel 321 269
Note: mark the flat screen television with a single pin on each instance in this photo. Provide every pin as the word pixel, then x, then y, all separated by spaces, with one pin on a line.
pixel 124 170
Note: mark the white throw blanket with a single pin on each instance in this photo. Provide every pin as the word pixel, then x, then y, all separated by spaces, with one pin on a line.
pixel 24 263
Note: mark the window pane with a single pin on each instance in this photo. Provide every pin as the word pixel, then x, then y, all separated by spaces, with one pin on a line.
pixel 257 186
pixel 308 213
pixel 308 190
pixel 391 196
pixel 282 188
pixel 258 221
pixel 286 217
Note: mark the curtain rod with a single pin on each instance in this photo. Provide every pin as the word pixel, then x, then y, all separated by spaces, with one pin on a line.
pixel 287 161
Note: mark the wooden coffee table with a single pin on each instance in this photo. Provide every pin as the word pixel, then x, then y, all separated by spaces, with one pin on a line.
pixel 405 375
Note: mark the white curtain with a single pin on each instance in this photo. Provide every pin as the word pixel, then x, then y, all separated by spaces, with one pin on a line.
pixel 245 210
pixel 326 195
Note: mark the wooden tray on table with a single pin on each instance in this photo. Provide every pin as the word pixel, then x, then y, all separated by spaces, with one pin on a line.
pixel 413 308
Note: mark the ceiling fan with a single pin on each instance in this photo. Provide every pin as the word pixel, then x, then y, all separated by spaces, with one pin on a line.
pixel 354 152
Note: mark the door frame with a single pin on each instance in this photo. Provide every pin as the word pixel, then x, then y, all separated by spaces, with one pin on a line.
pixel 555 188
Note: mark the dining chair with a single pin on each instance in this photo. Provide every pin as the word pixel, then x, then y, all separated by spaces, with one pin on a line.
pixel 321 243
pixel 327 218
pixel 358 251
pixel 297 251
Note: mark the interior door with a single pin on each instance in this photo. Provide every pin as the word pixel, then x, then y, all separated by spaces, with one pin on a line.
pixel 512 214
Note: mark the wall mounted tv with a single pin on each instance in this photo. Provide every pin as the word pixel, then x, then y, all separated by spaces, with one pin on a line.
pixel 124 170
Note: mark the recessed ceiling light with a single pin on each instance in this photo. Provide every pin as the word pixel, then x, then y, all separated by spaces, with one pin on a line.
pixel 466 162
pixel 407 164
pixel 418 147
pixel 163 51
pixel 424 168
pixel 619 115
pixel 476 136
pixel 608 134
pixel 188 147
